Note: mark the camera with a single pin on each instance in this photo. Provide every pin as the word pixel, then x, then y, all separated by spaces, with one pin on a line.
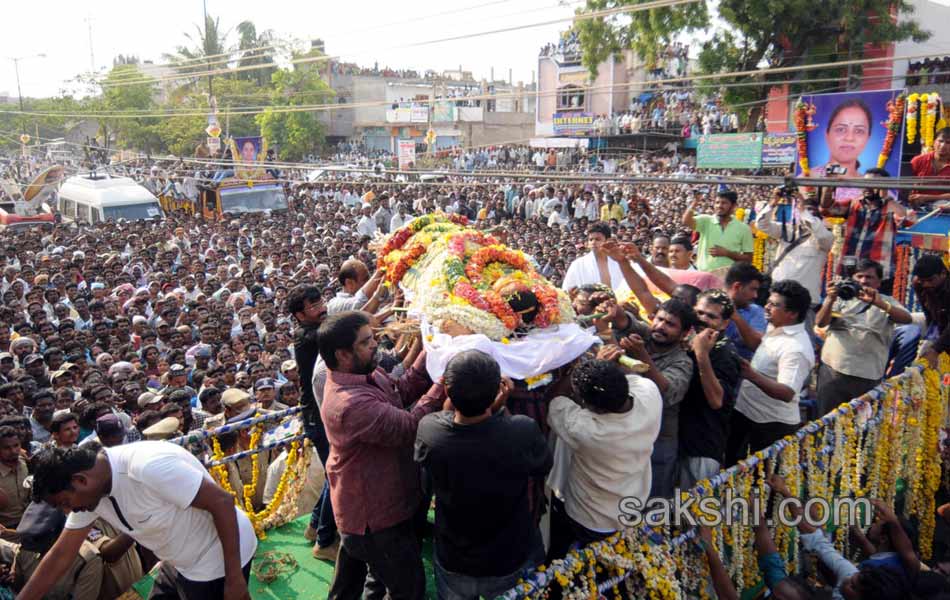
pixel 847 289
pixel 835 170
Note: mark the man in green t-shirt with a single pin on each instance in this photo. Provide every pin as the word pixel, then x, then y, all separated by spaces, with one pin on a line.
pixel 723 239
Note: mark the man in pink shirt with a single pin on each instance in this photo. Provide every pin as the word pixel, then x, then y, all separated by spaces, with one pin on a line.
pixel 374 483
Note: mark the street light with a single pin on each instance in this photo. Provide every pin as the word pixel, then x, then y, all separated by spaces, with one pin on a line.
pixel 16 67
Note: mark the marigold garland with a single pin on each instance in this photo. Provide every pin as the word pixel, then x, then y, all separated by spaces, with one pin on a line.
pixel 803 124
pixel 862 449
pixel 895 111
pixel 912 113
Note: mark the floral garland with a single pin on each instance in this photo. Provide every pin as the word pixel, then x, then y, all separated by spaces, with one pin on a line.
pixel 758 250
pixel 276 513
pixel 895 111
pixel 804 111
pixel 929 121
pixel 912 113
pixel 837 246
pixel 860 449
pixel 496 253
pixel 901 273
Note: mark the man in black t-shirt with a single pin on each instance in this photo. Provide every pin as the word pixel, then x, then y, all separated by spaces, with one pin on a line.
pixel 707 406
pixel 481 460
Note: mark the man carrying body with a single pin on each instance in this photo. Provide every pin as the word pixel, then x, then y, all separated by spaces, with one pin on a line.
pixel 596 266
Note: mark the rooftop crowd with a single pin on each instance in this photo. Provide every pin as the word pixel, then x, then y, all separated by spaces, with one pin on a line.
pixel 119 332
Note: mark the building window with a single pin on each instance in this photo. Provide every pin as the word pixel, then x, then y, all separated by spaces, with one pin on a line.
pixel 570 97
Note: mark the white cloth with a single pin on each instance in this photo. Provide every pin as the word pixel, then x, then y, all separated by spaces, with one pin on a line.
pixel 274 472
pixel 154 484
pixel 806 262
pixel 366 226
pixel 540 351
pixel 609 455
pixel 786 355
pixel 584 271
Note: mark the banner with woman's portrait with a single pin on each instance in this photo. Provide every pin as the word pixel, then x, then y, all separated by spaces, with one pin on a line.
pixel 847 132
pixel 247 153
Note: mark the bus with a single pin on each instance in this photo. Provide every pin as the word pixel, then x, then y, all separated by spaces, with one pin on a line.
pixel 97 197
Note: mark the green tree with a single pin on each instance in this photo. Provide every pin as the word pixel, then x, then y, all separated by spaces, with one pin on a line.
pixel 120 95
pixel 295 134
pixel 751 35
pixel 255 49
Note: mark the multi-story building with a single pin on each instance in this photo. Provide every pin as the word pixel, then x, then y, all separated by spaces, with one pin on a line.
pixel 386 105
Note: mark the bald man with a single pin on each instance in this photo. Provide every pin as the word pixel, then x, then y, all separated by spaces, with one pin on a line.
pixel 360 291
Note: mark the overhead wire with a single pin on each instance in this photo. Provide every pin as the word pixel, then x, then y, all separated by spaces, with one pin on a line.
pixel 323 58
pixel 233 55
pixel 496 96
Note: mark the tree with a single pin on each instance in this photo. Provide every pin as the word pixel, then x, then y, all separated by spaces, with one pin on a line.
pixel 121 94
pixel 255 49
pixel 209 47
pixel 752 35
pixel 295 134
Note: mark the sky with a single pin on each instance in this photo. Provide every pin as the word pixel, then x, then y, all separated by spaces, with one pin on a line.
pixel 361 31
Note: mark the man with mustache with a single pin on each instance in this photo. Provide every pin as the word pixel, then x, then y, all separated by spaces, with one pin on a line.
pixel 374 483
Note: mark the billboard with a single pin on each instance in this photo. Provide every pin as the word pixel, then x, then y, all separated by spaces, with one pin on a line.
pixel 729 151
pixel 779 149
pixel 407 154
pixel 247 152
pixel 419 114
pixel 443 112
pixel 848 129
pixel 573 124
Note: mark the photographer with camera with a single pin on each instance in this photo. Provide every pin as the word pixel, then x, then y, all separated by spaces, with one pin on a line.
pixel 871 222
pixel 860 323
pixel 804 241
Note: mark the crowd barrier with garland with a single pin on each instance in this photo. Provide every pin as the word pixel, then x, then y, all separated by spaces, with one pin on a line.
pixel 869 447
pixel 283 507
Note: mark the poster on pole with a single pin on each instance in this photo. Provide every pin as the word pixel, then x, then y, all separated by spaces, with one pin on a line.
pixel 729 151
pixel 779 149
pixel 848 130
pixel 407 154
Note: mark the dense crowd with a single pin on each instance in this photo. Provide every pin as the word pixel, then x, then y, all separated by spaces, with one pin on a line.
pixel 118 332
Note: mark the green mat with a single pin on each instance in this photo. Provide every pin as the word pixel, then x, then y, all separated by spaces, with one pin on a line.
pixel 312 577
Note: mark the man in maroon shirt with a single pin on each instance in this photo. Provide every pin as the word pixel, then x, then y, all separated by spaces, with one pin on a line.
pixel 936 165
pixel 374 483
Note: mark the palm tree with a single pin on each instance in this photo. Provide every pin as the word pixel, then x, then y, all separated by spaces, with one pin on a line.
pixel 210 44
pixel 255 49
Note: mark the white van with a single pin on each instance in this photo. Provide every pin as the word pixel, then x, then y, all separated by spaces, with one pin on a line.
pixel 96 197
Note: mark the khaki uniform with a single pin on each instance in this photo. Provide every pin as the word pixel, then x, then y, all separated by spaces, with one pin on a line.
pixel 18 497
pixel 242 468
pixel 82 581
pixel 118 576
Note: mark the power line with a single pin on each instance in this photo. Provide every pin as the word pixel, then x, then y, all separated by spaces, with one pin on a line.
pixel 312 59
pixel 535 93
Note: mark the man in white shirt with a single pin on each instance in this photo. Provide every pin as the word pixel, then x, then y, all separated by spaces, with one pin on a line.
pixel 767 404
pixel 595 266
pixel 400 217
pixel 159 495
pixel 804 241
pixel 358 288
pixel 367 224
pixel 605 437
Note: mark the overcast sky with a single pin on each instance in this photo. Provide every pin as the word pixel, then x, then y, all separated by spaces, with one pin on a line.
pixel 362 31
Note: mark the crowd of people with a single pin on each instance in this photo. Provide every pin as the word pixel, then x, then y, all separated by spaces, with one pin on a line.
pixel 115 333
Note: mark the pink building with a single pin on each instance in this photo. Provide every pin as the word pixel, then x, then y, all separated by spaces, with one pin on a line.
pixel 568 101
